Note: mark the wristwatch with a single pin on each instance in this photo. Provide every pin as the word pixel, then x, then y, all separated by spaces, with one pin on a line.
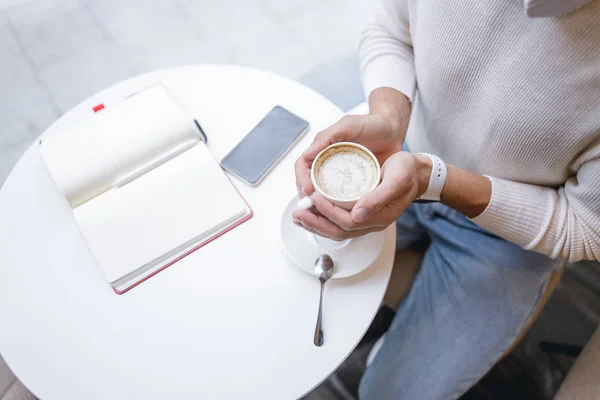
pixel 437 180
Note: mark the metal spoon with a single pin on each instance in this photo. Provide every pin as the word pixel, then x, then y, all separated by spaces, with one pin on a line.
pixel 323 270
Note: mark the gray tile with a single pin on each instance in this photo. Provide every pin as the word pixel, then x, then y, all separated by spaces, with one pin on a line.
pixel 274 51
pixel 14 66
pixel 7 4
pixel 252 34
pixel 32 11
pixel 329 30
pixel 73 80
pixel 6 375
pixel 339 81
pixel 145 57
pixel 227 21
pixel 25 113
pixel 283 9
pixel 18 392
pixel 51 37
pixel 137 21
pixel 231 23
pixel 154 34
pixel 25 108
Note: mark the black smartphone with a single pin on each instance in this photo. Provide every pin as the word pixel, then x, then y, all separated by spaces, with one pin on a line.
pixel 265 145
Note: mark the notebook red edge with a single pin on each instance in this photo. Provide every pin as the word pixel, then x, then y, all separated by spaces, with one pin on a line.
pixel 238 223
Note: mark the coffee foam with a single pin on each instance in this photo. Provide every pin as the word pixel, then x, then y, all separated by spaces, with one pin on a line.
pixel 345 172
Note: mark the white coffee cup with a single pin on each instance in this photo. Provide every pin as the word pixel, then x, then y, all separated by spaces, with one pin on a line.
pixel 305 203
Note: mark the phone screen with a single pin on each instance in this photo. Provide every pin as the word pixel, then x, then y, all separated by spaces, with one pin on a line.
pixel 260 150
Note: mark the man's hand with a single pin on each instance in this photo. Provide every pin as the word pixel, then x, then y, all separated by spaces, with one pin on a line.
pixel 405 176
pixel 375 132
pixel 382 132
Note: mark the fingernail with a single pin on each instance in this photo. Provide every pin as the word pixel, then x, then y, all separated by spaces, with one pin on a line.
pixel 360 215
pixel 302 190
pixel 297 221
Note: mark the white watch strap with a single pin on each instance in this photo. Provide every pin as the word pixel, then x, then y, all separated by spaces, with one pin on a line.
pixel 437 179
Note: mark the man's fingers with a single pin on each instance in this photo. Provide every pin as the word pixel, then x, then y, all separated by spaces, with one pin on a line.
pixel 391 211
pixel 316 223
pixel 381 196
pixel 344 219
pixel 298 223
pixel 337 215
pixel 324 227
pixel 319 225
pixel 303 182
pixel 359 233
pixel 346 129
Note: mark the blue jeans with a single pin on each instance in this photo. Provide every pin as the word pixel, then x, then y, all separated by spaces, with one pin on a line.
pixel 472 297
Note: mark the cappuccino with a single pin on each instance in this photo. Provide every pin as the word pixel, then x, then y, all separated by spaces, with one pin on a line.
pixel 346 172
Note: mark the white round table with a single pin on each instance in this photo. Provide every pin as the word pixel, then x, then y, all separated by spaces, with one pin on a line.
pixel 234 320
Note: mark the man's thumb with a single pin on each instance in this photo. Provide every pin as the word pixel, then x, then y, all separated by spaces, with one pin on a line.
pixel 373 202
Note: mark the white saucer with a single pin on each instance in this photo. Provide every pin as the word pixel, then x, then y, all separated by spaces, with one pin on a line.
pixel 350 258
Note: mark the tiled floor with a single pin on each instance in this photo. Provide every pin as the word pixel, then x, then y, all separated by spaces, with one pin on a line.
pixel 54 53
pixel 10 387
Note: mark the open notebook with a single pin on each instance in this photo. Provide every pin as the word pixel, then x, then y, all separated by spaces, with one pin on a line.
pixel 144 188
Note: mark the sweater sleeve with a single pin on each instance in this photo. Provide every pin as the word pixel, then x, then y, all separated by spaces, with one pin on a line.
pixel 386 53
pixel 562 222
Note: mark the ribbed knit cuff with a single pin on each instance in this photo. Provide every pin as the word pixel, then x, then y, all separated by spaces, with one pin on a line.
pixel 518 212
pixel 389 70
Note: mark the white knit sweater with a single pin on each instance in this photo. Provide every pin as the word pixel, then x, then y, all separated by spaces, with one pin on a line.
pixel 508 96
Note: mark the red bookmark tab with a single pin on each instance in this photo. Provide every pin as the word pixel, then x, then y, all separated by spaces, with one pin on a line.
pixel 98 107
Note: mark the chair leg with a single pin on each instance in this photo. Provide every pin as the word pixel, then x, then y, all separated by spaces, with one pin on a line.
pixel 554 279
pixel 561 348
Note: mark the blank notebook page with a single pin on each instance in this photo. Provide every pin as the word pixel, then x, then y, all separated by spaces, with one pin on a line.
pixel 187 197
pixel 86 159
